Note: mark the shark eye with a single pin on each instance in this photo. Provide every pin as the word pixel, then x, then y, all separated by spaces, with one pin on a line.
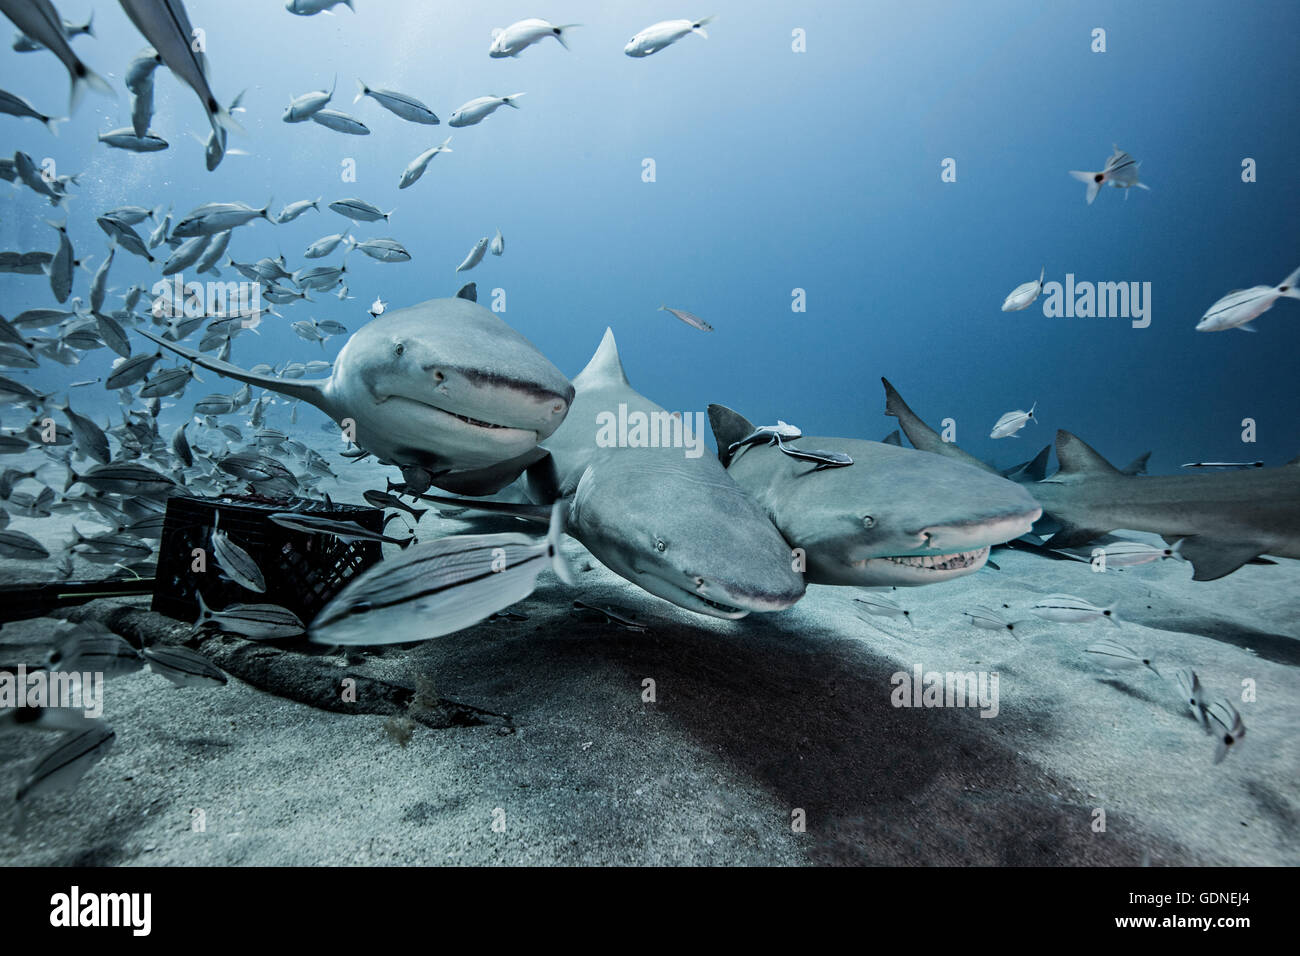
pixel 660 544
pixel 399 349
pixel 868 521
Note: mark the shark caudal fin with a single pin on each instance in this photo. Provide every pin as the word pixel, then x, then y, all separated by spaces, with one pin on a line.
pixel 728 427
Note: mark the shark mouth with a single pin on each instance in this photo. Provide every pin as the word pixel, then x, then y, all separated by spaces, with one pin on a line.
pixel 467 419
pixel 956 561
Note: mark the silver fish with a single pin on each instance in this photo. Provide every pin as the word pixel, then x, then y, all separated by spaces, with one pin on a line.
pixel 1227 726
pixel 385 250
pixel 416 167
pixel 295 209
pixel 399 104
pixel 68 762
pixel 257 622
pixel 237 563
pixel 437 588
pixel 359 210
pixel 95 650
pixel 20 546
pixel 342 529
pixel 1115 656
pixel 340 122
pixel 324 246
pixel 989 619
pixel 498 246
pixel 183 667
pixel 690 319
pixel 878 605
pixel 475 255
pixel 127 138
pixel 303 108
pixel 1067 609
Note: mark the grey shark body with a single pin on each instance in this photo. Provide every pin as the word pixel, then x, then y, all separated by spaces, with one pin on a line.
pixel 444 390
pixel 676 526
pixel 1224 519
pixel 897 516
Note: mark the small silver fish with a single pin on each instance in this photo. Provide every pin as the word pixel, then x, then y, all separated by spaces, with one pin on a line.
pixel 1193 693
pixel 989 619
pixel 1012 422
pixel 690 319
pixel 437 588
pixel 183 667
pixel 237 563
pixel 1115 656
pixel 340 122
pixel 475 255
pixel 68 762
pixel 1227 726
pixel 878 605
pixel 1067 609
pixel 257 622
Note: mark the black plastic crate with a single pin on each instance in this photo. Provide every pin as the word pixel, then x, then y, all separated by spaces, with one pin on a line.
pixel 302 571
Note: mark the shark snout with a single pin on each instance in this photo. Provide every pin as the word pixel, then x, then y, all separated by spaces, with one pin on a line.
pixel 977 532
pixel 536 404
pixel 774 595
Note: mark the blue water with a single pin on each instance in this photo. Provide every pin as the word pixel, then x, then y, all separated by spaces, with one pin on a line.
pixel 775 171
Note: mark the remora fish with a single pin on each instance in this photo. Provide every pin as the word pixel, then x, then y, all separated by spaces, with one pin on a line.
pixel 440 587
pixel 898 517
pixel 444 390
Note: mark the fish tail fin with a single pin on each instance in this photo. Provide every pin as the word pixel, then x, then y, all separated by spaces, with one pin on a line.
pixel 1042 274
pixel 1288 285
pixel 510 100
pixel 418 513
pixel 52 123
pixel 265 211
pixel 84 78
pixel 1090 180
pixel 362 90
pixel 698 25
pixel 1032 409
pixel 553 535
pixel 89 28
pixel 223 122
pixel 561 30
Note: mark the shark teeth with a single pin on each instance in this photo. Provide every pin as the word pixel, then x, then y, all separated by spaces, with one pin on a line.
pixel 475 421
pixel 940 562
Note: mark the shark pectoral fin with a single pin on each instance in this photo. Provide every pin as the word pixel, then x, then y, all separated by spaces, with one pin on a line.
pixel 492 478
pixel 543 480
pixel 311 391
pixel 728 427
pixel 893 438
pixel 1214 559
pixel 539 513
pixel 1070 536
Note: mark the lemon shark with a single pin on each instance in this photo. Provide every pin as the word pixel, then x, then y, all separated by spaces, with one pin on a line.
pixel 1224 519
pixel 444 390
pixel 674 525
pixel 896 516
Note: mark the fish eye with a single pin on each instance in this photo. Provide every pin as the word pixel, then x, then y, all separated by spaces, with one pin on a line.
pixel 868 521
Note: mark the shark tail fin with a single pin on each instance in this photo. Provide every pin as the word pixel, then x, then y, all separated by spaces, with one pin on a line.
pixel 1290 286
pixel 729 427
pixel 895 407
pixel 1077 457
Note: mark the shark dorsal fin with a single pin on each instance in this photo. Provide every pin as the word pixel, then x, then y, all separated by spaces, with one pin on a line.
pixel 1138 466
pixel 605 367
pixel 729 427
pixel 1077 457
pixel 893 438
pixel 1294 461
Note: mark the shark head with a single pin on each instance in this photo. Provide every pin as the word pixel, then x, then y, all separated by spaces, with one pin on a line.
pixel 700 543
pixel 896 516
pixel 675 525
pixel 447 380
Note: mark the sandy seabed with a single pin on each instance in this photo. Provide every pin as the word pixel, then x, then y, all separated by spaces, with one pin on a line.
pixel 755 726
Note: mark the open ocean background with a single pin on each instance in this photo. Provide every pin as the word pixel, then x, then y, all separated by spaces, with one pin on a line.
pixel 775 170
